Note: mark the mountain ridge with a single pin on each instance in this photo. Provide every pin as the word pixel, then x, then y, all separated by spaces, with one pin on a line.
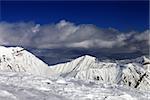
pixel 18 59
pixel 130 73
pixel 134 73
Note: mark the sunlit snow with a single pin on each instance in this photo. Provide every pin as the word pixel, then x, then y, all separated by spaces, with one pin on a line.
pixel 25 77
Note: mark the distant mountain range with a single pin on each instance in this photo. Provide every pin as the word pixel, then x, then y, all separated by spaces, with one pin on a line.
pixel 59 55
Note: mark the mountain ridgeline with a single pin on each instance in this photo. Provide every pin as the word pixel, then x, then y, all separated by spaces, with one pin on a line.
pixel 134 73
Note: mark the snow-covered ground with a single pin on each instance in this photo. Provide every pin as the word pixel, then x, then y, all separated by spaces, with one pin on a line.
pixel 23 86
pixel 23 76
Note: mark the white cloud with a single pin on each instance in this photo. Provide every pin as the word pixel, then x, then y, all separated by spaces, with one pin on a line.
pixel 67 34
pixel 145 36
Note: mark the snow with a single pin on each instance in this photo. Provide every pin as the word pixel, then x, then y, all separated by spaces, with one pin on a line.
pixel 123 97
pixel 23 76
pixel 18 59
pixel 134 74
pixel 24 86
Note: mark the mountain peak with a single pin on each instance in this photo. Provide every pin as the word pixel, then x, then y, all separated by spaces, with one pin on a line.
pixel 145 60
pixel 20 60
pixel 87 57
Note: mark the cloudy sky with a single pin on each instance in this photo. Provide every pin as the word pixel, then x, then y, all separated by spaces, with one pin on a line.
pixel 110 27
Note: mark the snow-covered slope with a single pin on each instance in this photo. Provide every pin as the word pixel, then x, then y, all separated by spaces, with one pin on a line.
pixel 84 78
pixel 22 86
pixel 135 74
pixel 18 59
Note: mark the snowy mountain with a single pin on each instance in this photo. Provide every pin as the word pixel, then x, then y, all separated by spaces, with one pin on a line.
pixel 135 74
pixel 21 78
pixel 17 59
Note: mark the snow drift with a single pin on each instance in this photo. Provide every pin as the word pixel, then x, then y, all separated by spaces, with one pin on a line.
pixel 23 86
